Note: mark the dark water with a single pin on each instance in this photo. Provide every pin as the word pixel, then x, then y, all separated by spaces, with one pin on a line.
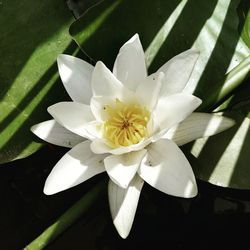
pixel 218 218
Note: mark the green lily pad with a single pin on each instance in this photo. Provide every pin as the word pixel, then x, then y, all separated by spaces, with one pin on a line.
pixel 223 159
pixel 239 101
pixel 33 33
pixel 167 28
pixel 236 87
pixel 244 25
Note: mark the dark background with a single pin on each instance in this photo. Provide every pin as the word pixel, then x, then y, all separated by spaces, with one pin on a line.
pixel 218 218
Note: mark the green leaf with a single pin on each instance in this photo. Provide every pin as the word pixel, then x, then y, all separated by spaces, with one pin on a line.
pixel 69 217
pixel 239 101
pixel 233 80
pixel 223 159
pixel 33 33
pixel 167 28
pixel 244 25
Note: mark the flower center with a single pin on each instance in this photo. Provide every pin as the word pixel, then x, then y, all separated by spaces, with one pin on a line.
pixel 126 124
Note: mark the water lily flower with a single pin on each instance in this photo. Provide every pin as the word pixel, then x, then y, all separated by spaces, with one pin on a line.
pixel 128 124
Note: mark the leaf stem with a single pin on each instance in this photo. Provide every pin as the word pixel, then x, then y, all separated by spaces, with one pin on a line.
pixel 232 81
pixel 234 78
pixel 68 218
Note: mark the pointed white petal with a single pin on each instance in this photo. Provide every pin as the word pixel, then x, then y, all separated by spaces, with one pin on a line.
pixel 173 109
pixel 166 168
pixel 104 83
pixel 75 167
pixel 177 72
pixel 198 125
pixel 100 147
pixel 76 77
pixel 123 204
pixel 130 67
pixel 73 116
pixel 54 133
pixel 148 90
pixel 122 168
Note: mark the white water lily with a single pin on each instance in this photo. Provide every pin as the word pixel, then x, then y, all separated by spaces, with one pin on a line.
pixel 128 124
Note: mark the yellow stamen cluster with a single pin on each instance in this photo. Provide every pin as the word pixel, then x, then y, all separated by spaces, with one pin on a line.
pixel 126 124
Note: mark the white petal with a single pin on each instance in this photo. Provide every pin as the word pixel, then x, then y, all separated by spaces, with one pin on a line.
pixel 73 116
pixel 123 204
pixel 177 72
pixel 130 67
pixel 94 130
pixel 76 77
pixel 100 147
pixel 75 167
pixel 173 109
pixel 98 106
pixel 166 168
pixel 198 125
pixel 54 133
pixel 148 90
pixel 104 83
pixel 122 168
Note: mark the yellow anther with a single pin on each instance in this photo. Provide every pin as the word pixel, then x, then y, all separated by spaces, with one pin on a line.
pixel 126 124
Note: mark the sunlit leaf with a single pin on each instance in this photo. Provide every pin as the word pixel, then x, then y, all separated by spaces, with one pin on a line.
pixel 33 33
pixel 167 28
pixel 239 101
pixel 223 159
pixel 234 81
pixel 244 25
